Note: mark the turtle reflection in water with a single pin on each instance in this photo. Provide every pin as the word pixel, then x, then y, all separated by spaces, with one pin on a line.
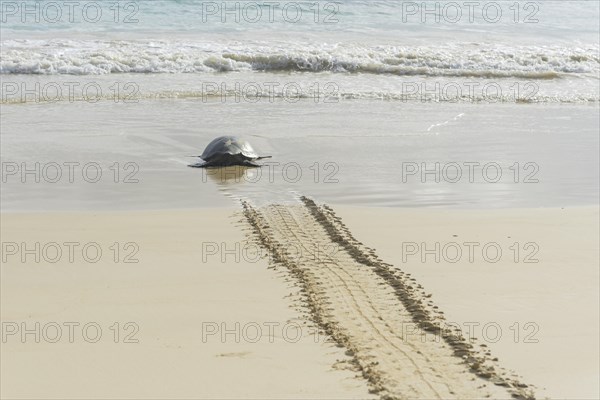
pixel 227 151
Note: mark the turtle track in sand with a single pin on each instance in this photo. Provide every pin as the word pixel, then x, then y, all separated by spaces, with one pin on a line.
pixel 373 310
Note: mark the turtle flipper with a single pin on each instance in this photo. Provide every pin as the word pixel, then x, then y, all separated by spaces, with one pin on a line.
pixel 250 163
pixel 200 165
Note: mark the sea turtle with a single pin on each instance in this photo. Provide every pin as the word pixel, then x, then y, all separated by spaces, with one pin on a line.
pixel 228 150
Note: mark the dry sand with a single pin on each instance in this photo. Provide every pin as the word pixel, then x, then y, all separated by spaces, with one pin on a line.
pixel 321 274
pixel 558 296
pixel 169 294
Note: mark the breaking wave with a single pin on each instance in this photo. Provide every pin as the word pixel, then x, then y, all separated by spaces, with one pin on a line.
pixel 67 57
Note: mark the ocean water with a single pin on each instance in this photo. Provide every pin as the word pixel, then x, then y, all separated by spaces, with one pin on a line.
pixel 360 98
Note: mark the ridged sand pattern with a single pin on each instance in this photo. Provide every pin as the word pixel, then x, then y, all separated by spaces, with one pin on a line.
pixel 373 309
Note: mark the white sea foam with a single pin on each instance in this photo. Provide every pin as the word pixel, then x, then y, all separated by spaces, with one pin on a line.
pixel 80 57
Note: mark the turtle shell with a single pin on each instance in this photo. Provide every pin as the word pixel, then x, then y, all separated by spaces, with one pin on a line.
pixel 228 145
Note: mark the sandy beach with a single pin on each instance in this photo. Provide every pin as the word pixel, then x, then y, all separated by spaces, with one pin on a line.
pixel 171 298
pixel 404 202
pixel 203 314
pixel 555 291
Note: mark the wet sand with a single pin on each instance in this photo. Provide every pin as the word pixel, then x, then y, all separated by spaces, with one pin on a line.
pixel 356 153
